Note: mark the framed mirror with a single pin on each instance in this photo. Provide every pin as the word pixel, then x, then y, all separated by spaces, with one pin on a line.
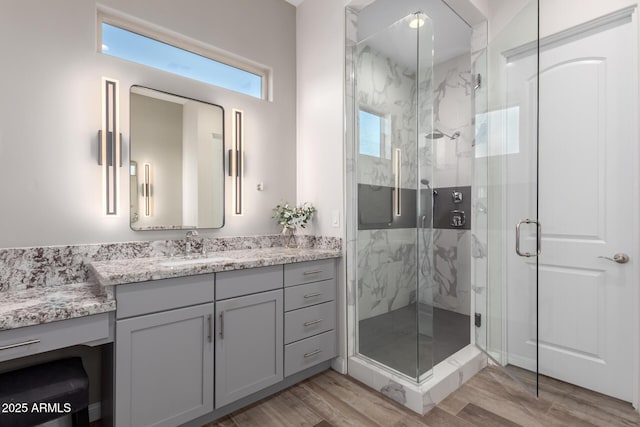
pixel 176 169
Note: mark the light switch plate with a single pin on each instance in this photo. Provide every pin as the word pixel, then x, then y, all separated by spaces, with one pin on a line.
pixel 335 219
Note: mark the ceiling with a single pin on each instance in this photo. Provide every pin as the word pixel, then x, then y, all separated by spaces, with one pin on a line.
pixel 451 35
pixel 383 23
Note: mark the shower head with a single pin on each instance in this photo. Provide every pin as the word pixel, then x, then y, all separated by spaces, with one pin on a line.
pixel 425 182
pixel 437 134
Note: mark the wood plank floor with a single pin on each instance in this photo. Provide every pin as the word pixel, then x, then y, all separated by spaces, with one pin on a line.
pixel 489 399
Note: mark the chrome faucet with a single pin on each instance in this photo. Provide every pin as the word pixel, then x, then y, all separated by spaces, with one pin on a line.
pixel 190 235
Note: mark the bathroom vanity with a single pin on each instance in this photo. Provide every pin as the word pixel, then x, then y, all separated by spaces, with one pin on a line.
pixel 208 339
pixel 188 339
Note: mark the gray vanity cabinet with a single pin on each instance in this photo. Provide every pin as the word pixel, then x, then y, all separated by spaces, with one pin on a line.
pixel 164 367
pixel 310 314
pixel 249 345
pixel 193 348
pixel 164 352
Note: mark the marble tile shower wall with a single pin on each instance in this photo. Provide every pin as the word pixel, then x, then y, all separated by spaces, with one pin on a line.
pixel 386 271
pixel 452 272
pixel 24 268
pixel 388 89
pixel 386 257
pixel 454 159
pixel 452 107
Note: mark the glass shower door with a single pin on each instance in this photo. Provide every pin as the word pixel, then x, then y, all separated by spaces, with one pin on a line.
pixel 509 155
pixel 392 110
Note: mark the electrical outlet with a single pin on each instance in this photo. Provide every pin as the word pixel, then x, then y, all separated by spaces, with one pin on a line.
pixel 335 219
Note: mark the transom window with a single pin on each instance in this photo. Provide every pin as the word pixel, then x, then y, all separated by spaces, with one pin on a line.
pixel 132 46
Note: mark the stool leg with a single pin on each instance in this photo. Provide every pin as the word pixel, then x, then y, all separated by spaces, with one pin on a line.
pixel 80 418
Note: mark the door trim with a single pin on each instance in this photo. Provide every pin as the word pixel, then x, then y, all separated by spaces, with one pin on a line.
pixel 612 19
pixel 636 214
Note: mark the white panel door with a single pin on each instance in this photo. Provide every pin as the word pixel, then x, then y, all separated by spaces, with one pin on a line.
pixel 587 173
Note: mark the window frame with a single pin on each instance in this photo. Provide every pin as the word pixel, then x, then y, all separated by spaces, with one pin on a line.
pixel 177 40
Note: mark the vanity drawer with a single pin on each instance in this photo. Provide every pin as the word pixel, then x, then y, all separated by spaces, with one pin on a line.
pixel 160 295
pixel 309 271
pixel 306 322
pixel 312 293
pixel 22 342
pixel 231 284
pixel 309 352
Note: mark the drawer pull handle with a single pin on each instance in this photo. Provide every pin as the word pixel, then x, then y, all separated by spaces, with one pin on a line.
pixel 21 344
pixel 312 322
pixel 306 273
pixel 312 353
pixel 209 336
pixel 222 325
pixel 316 294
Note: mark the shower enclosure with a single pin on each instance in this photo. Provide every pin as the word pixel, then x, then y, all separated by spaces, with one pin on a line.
pixel 412 91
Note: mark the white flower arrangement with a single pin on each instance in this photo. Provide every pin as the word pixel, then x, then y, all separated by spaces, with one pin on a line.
pixel 290 218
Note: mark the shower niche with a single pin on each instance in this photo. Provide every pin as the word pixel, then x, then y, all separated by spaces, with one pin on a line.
pixel 410 100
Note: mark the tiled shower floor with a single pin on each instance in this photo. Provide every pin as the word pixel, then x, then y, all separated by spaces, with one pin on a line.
pixel 396 340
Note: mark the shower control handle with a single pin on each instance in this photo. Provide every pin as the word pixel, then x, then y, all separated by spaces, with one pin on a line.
pixel 538 235
pixel 620 258
pixel 458 219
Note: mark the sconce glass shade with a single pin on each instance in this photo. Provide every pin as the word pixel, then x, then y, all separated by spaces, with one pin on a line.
pixel 110 151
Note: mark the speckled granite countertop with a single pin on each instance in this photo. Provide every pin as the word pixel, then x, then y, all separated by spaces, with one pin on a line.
pixel 35 306
pixel 44 304
pixel 135 270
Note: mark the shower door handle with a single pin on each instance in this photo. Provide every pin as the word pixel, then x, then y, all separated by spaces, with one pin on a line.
pixel 397 182
pixel 539 238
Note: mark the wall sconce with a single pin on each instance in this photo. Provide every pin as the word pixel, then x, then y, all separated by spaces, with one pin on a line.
pixel 110 149
pixel 146 189
pixel 236 159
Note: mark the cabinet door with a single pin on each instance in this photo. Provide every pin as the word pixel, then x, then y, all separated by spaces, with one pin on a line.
pixel 249 345
pixel 164 367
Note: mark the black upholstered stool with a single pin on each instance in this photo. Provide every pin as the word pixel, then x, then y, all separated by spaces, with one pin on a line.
pixel 56 389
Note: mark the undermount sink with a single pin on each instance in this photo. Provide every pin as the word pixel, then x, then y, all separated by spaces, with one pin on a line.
pixel 183 262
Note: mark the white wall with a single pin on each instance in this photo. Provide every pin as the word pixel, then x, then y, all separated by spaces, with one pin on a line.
pixel 320 68
pixel 50 182
pixel 320 84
